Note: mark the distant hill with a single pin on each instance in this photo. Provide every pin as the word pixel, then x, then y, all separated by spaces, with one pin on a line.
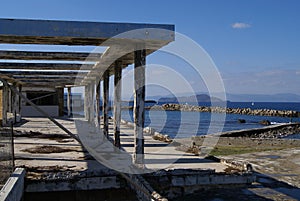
pixel 204 97
pixel 283 97
pixel 189 99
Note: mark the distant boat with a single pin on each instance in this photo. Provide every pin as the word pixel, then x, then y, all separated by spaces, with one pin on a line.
pixel 252 103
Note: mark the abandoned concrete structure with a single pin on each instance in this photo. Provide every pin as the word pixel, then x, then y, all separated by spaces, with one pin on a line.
pixel 127 44
pixel 34 86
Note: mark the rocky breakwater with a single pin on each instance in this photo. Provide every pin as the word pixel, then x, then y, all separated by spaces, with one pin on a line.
pixel 245 111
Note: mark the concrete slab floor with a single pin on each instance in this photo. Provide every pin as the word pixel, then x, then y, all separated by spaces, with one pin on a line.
pixel 158 155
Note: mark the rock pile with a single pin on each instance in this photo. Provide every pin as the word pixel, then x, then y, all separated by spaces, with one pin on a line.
pixel 274 131
pixel 245 111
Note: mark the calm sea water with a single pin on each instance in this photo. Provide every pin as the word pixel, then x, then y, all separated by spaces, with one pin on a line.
pixel 186 124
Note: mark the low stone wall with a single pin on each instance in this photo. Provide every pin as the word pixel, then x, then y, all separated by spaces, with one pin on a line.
pixel 244 111
pixel 273 131
pixel 14 187
pixel 181 182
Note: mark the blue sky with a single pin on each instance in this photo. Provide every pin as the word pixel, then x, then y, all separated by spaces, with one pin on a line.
pixel 255 44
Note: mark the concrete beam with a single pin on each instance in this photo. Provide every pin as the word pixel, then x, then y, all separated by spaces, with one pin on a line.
pixel 98 104
pixel 47 77
pixel 139 105
pixel 91 103
pixel 50 82
pixel 60 95
pixel 5 100
pixel 14 187
pixel 19 118
pixel 54 85
pixel 44 73
pixel 117 103
pixel 57 56
pixel 47 80
pixel 79 33
pixel 45 66
pixel 85 102
pixel 15 100
pixel 105 103
pixel 69 102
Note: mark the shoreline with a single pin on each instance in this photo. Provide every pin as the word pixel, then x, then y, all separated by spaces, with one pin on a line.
pixel 241 111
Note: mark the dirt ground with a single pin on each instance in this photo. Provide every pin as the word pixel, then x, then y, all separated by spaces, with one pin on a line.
pixel 241 145
pixel 276 163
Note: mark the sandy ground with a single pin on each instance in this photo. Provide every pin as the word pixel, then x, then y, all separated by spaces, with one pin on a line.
pixel 276 163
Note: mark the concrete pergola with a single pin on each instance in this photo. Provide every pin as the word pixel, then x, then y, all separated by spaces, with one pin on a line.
pixel 127 43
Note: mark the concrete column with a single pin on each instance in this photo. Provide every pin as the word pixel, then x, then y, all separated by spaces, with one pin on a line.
pixel 15 107
pixel 98 118
pixel 105 107
pixel 19 105
pixel 139 105
pixel 69 102
pixel 9 100
pixel 5 100
pixel 117 103
pixel 86 89
pixel 60 95
pixel 91 102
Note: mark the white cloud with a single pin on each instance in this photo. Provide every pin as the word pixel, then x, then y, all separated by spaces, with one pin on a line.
pixel 240 25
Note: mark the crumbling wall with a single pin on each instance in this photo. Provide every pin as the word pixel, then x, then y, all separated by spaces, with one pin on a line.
pixel 181 182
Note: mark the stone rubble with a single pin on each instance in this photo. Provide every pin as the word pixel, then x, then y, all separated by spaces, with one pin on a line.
pixel 244 111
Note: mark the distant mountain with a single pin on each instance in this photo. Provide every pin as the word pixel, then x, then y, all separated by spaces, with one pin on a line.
pixel 189 99
pixel 283 97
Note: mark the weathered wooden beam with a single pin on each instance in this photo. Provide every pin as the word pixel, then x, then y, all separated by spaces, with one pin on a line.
pixel 69 102
pixel 117 102
pixel 45 66
pixel 98 103
pixel 139 105
pixel 57 56
pixel 105 107
pixel 80 33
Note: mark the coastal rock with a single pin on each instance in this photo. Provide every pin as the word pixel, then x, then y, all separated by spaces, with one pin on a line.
pixel 160 137
pixel 242 121
pixel 243 111
pixel 265 122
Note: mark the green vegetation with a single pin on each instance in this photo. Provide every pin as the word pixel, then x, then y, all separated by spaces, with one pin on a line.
pixel 231 150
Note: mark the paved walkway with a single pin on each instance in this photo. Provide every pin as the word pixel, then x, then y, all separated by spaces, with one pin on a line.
pixel 158 155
